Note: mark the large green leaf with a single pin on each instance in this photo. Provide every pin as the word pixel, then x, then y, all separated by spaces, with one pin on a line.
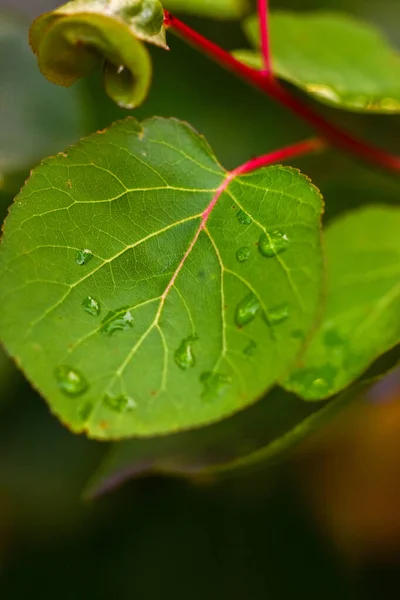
pixel 219 9
pixel 141 296
pixel 333 57
pixel 36 118
pixel 84 34
pixel 361 320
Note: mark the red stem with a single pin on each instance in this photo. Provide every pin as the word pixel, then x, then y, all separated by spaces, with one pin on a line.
pixel 263 15
pixel 295 150
pixel 268 85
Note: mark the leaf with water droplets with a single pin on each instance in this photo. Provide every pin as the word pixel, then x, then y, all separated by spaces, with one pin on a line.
pixel 335 58
pixel 154 207
pixel 361 320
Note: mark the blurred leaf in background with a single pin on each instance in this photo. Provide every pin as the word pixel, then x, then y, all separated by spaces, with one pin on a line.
pixel 37 118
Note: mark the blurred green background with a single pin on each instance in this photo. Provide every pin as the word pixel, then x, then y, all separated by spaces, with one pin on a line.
pixel 322 525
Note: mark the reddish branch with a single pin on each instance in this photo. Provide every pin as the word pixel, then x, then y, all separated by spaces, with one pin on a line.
pixel 264 36
pixel 271 87
pixel 296 150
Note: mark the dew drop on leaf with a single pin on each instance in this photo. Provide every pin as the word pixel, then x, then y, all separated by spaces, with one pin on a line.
pixel 184 356
pixel 120 404
pixel 247 310
pixel 332 338
pixel 117 320
pixel 70 381
pixel 83 257
pixel 314 382
pixel 278 315
pixel 244 218
pixel 243 254
pixel 85 411
pixel 91 306
pixel 215 385
pixel 250 348
pixel 273 243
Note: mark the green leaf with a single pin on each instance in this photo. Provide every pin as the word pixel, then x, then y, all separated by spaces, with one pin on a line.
pixel 361 320
pixel 84 34
pixel 136 222
pixel 36 118
pixel 217 9
pixel 260 437
pixel 333 57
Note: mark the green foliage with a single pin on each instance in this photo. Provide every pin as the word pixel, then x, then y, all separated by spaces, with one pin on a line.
pixel 361 319
pixel 184 324
pixel 86 34
pixel 333 57
pixel 218 9
pixel 36 118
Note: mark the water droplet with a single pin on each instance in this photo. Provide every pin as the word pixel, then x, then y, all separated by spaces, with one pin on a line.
pixel 85 411
pixel 83 257
pixel 278 315
pixel 120 404
pixel 272 243
pixel 215 385
pixel 298 334
pixel 244 218
pixel 243 254
pixel 117 320
pixel 70 381
pixel 332 338
pixel 184 356
pixel 323 91
pixel 250 348
pixel 247 310
pixel 91 306
pixel 314 383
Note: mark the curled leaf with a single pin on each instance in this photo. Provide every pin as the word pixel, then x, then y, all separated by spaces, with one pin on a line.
pixel 85 34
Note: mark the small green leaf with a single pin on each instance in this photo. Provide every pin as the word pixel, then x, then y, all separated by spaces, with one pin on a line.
pixel 333 57
pixel 36 118
pixel 361 320
pixel 84 34
pixel 148 204
pixel 217 9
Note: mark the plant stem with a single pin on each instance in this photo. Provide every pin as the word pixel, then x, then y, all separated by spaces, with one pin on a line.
pixel 263 15
pixel 271 87
pixel 295 150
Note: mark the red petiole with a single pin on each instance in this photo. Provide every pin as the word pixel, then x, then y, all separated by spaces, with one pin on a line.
pixel 265 82
pixel 264 36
